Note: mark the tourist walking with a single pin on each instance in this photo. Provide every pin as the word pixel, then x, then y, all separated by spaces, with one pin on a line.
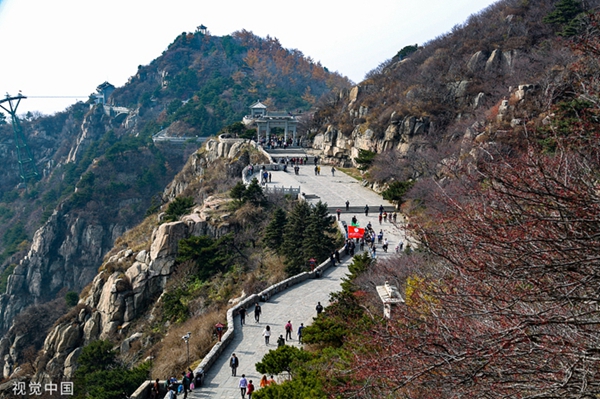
pixel 339 212
pixel 347 205
pixel 250 389
pixel 242 312
pixel 263 381
pixel 267 334
pixel 155 393
pixel 366 210
pixel 185 382
pixel 319 308
pixel 280 341
pixel 243 385
pixel 288 330
pixel 300 332
pixel 234 362
pixel 332 171
pixel 257 312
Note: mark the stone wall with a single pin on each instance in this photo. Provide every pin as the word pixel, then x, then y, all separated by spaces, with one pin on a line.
pixel 143 392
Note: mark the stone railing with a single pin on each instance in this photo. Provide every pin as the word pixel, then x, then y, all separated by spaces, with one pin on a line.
pixel 143 392
pixel 293 191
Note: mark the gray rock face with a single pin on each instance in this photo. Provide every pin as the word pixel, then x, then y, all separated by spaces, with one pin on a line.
pixel 339 149
pixel 46 270
pixel 501 61
pixel 224 148
pixel 477 62
pixel 118 298
pixel 91 129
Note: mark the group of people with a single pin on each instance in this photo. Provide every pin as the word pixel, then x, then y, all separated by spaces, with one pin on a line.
pixel 369 238
pixel 294 160
pixel 277 142
pixel 247 386
pixel 188 383
pixel 243 312
pixel 288 334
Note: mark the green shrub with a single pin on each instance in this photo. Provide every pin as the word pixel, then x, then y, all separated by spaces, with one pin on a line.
pixel 71 298
pixel 179 207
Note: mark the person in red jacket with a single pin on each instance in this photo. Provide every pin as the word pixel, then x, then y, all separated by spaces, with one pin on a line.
pixel 250 389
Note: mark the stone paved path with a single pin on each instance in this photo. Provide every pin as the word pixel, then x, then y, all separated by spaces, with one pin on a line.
pixel 297 303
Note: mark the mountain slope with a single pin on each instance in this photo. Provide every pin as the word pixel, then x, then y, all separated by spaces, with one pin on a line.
pixel 101 171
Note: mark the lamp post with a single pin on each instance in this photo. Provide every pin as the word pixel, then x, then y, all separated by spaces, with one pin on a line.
pixel 186 338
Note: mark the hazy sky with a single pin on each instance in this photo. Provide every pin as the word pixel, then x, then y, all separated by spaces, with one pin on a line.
pixel 68 47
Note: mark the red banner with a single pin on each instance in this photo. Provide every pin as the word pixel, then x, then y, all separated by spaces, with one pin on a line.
pixel 355 232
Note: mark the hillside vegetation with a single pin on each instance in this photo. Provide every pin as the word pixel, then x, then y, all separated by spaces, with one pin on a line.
pixel 502 292
pixel 101 173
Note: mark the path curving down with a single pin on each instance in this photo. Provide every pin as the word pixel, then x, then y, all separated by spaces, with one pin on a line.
pixel 298 302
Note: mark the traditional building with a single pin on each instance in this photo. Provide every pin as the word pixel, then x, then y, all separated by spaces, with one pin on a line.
pixel 104 91
pixel 267 120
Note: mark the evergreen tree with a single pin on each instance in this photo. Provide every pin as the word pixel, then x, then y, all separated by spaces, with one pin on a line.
pixel 282 359
pixel 101 376
pixel 397 190
pixel 320 237
pixel 565 16
pixel 293 238
pixel 254 194
pixel 274 232
pixel 179 207
pixel 365 159
pixel 238 191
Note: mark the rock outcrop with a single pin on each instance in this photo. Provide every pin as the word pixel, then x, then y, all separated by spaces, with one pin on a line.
pixel 339 149
pixel 129 283
pixel 126 288
pixel 91 130
pixel 65 253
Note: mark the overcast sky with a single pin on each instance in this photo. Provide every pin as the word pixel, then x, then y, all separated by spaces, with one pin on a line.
pixel 68 47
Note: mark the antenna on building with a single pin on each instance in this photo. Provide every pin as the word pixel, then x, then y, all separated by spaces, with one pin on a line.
pixel 27 168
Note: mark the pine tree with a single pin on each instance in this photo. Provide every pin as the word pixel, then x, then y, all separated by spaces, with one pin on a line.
pixel 274 232
pixel 565 16
pixel 293 238
pixel 320 238
pixel 254 194
pixel 238 191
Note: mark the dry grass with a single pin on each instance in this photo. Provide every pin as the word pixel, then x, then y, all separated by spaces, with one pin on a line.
pixel 172 355
pixel 272 269
pixel 353 172
pixel 137 238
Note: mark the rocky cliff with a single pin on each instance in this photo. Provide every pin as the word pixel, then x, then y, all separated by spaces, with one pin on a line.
pixel 130 283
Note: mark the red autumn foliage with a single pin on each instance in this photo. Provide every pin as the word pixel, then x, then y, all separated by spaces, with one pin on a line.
pixel 514 308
